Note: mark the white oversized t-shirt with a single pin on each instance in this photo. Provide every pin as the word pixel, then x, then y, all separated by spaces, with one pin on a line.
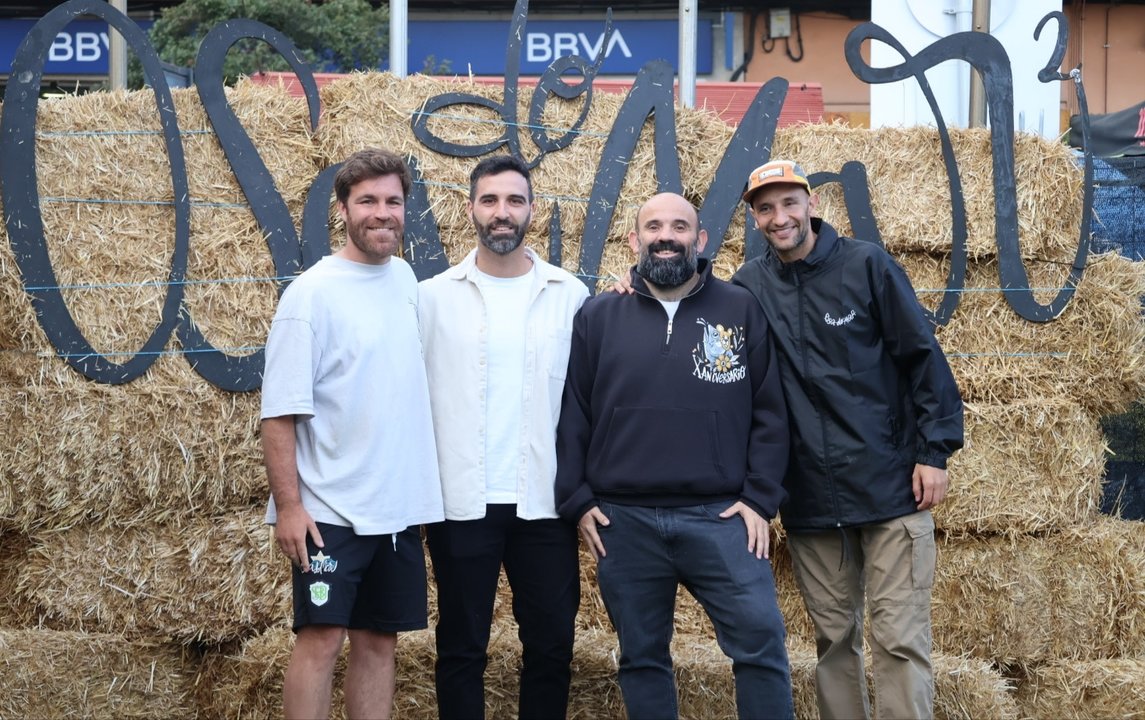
pixel 344 357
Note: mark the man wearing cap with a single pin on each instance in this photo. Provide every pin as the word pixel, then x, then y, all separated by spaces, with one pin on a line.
pixel 875 413
pixel 671 448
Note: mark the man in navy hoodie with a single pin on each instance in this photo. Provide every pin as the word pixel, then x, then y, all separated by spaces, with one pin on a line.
pixel 671 449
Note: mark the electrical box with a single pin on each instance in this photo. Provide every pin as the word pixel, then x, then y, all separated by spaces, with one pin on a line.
pixel 780 23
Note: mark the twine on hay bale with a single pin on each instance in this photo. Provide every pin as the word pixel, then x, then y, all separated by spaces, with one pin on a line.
pixel 109 224
pixel 1027 467
pixel 212 580
pixel 50 674
pixel 1083 690
pixel 1077 594
pixel 1093 353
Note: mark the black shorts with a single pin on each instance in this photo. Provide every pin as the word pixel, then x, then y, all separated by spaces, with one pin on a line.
pixel 363 582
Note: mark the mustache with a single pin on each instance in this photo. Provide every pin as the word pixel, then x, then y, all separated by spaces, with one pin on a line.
pixel 661 245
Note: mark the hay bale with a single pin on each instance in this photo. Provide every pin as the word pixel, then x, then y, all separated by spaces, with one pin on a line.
pixel 1027 467
pixel 907 181
pixel 16 611
pixel 1093 353
pixel 1076 594
pixel 50 674
pixel 248 683
pixel 1074 690
pixel 154 453
pixel 109 223
pixel 211 580
pixel 376 109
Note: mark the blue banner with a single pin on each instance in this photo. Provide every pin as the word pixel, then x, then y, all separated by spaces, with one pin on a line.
pixel 467 46
pixel 79 49
pixel 478 46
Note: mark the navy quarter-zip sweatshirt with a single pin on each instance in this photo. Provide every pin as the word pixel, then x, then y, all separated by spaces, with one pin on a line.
pixel 669 413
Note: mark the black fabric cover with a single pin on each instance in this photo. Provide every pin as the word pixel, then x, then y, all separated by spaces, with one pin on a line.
pixel 1112 134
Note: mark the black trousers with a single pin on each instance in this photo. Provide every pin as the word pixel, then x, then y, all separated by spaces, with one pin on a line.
pixel 541 564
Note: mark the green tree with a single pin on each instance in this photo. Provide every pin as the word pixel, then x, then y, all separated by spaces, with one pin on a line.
pixel 336 35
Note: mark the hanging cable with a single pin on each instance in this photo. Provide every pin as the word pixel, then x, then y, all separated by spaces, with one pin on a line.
pixel 798 39
pixel 748 48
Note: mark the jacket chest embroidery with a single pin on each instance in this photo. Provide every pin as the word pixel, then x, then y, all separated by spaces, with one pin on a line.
pixel 716 356
pixel 840 321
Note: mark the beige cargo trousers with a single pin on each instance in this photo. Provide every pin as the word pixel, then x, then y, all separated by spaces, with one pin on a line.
pixel 891 565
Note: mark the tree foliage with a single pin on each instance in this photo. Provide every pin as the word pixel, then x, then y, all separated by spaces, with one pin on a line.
pixel 334 36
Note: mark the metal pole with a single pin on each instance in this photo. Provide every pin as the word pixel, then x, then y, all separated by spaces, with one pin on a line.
pixel 116 52
pixel 980 22
pixel 688 25
pixel 399 34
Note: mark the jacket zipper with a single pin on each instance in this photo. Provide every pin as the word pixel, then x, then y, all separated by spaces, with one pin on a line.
pixel 795 274
pixel 668 338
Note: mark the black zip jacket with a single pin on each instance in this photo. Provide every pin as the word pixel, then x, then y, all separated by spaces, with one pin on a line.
pixel 869 392
pixel 668 414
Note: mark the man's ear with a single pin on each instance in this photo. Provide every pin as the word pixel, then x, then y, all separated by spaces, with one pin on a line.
pixel 701 241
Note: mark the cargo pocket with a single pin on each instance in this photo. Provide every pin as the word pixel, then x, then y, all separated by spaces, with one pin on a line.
pixel 920 527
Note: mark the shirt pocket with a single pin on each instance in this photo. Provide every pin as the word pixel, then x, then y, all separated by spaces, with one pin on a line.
pixel 558 342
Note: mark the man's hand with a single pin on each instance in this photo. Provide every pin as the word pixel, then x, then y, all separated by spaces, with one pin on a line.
pixel 758 533
pixel 587 527
pixel 290 530
pixel 929 486
pixel 623 285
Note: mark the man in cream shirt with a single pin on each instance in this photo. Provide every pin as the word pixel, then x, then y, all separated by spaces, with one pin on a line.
pixel 496 330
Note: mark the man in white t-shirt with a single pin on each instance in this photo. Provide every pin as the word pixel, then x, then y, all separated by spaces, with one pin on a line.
pixel 349 451
pixel 496 330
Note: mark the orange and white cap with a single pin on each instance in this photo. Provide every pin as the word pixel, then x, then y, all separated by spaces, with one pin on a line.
pixel 776 171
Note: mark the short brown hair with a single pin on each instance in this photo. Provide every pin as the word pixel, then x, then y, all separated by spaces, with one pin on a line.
pixel 368 164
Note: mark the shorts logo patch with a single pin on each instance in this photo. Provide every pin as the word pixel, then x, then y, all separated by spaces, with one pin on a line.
pixel 322 563
pixel 319 593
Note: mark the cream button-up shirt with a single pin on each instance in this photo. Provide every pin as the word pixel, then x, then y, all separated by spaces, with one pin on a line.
pixel 454 337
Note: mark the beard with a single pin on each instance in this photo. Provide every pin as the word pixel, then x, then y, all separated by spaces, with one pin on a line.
pixel 357 234
pixel 501 244
pixel 667 272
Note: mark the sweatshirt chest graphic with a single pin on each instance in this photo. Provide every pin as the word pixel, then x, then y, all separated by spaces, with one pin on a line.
pixel 716 357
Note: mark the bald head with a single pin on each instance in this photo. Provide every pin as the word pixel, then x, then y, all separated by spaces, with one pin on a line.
pixel 668 204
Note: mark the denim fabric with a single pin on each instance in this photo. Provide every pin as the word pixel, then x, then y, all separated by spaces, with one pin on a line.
pixel 540 559
pixel 649 552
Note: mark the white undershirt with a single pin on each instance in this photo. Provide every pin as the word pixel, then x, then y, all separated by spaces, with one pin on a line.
pixel 506 309
pixel 670 307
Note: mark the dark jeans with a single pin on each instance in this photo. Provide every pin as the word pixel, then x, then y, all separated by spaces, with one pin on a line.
pixel 649 551
pixel 540 559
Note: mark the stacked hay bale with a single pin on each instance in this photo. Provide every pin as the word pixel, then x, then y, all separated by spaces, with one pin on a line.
pixel 132 513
